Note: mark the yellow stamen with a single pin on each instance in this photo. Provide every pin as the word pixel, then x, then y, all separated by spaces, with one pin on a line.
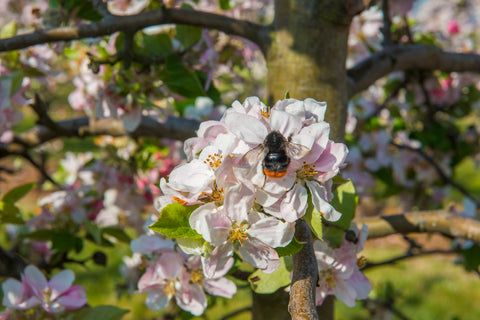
pixel 266 113
pixel 307 171
pixel 214 160
pixel 181 201
pixel 329 277
pixel 238 232
pixel 215 196
pixel 196 276
pixel 169 288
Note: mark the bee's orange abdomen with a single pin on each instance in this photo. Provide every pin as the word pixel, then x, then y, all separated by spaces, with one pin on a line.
pixel 274 174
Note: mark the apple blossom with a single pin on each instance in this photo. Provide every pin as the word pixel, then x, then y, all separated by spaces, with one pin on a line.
pixel 339 272
pixel 54 296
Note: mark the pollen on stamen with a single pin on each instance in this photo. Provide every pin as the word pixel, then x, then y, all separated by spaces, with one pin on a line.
pixel 216 195
pixel 214 160
pixel 196 276
pixel 266 112
pixel 169 288
pixel 181 201
pixel 307 171
pixel 238 233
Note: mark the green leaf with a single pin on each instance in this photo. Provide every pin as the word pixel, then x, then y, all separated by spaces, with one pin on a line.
pixel 154 45
pixel 269 283
pixel 224 4
pixel 344 201
pixel 40 235
pixel 188 35
pixel 471 258
pixel 287 95
pixel 9 30
pixel 9 213
pixel 100 312
pixel 17 193
pixel 95 232
pixel 314 218
pixel 180 80
pixel 117 233
pixel 65 241
pixel 293 247
pixel 174 222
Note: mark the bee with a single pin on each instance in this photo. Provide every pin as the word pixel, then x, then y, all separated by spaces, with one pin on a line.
pixel 277 151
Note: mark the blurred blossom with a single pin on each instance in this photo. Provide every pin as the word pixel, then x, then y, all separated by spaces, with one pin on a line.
pixel 453 27
pixel 54 296
pixel 127 7
pixel 339 271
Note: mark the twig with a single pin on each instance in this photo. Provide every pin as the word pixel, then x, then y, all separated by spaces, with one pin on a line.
pixel 440 221
pixel 386 305
pixel 251 31
pixel 408 255
pixel 408 57
pixel 40 168
pixel 387 25
pixel 101 8
pixel 234 313
pixel 439 170
pixel 41 109
pixel 173 128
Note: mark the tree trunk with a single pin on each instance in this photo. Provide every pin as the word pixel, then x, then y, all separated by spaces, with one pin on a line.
pixel 306 58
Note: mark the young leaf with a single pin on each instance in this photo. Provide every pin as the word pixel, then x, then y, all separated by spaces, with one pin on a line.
pixel 269 283
pixel 17 193
pixel 9 30
pixel 293 247
pixel 174 222
pixel 224 4
pixel 181 80
pixel 344 201
pixel 117 233
pixel 314 219
pixel 100 312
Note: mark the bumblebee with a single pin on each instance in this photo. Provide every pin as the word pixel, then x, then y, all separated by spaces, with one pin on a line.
pixel 276 151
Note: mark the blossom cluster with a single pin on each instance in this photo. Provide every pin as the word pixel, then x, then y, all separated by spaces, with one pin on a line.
pixel 240 208
pixel 54 296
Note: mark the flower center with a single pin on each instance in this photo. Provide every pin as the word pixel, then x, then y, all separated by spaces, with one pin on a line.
pixel 47 295
pixel 214 160
pixel 238 232
pixel 196 276
pixel 215 196
pixel 307 171
pixel 169 288
pixel 329 277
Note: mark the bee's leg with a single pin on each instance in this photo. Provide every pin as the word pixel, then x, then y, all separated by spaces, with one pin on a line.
pixel 264 180
pixel 291 188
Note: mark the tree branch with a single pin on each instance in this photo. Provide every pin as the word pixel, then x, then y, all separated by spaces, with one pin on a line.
pixel 406 57
pixel 408 255
pixel 423 221
pixel 439 170
pixel 111 23
pixel 173 128
pixel 354 7
pixel 304 278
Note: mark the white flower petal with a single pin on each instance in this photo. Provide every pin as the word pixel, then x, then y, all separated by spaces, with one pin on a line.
pixel 246 127
pixel 318 193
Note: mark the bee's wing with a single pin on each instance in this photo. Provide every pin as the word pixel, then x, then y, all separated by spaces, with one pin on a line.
pixel 252 157
pixel 296 151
